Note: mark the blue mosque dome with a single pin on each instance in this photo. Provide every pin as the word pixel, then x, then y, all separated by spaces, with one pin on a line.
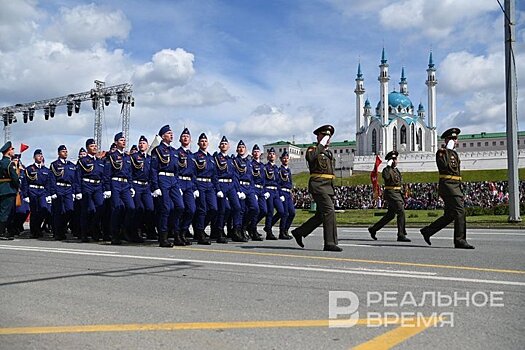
pixel 396 99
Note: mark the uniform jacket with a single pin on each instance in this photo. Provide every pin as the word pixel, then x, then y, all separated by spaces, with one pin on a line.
pixel 320 162
pixel 448 164
pixel 92 168
pixel 63 172
pixel 37 176
pixel 9 182
pixel 392 178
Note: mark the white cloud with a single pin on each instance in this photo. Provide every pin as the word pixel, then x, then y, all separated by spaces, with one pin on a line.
pixel 84 26
pixel 17 23
pixel 167 68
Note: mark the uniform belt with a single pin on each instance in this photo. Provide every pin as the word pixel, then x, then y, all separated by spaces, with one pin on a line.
pixel 323 176
pixel 225 180
pixel 258 186
pixel 185 178
pixel 286 190
pixel 91 181
pixel 204 179
pixel 63 184
pixel 37 186
pixel 5 180
pixel 121 179
pixel 271 187
pixel 392 187
pixel 166 174
pixel 140 182
pixel 450 177
pixel 245 183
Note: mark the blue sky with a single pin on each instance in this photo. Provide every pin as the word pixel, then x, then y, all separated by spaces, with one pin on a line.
pixel 255 70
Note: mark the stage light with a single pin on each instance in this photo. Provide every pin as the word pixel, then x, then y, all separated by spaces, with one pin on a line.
pixel 46 113
pixel 120 97
pixel 107 99
pixel 52 108
pixel 133 102
pixel 69 107
pixel 25 115
pixel 77 106
pixel 31 114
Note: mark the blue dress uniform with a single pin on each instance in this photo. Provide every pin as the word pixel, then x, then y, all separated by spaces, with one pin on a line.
pixel 285 184
pixel 250 207
pixel 229 203
pixel 118 170
pixel 257 168
pixel 206 181
pixel 37 186
pixel 271 186
pixel 64 186
pixel 9 185
pixel 93 183
pixel 187 173
pixel 164 178
pixel 140 173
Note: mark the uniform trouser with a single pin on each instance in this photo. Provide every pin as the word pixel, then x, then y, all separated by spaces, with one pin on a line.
pixel 325 214
pixel 289 209
pixel 454 211
pixel 263 208
pixel 395 207
pixel 274 202
pixel 229 204
pixel 122 206
pixel 40 210
pixel 206 211
pixel 190 205
pixel 250 209
pixel 62 209
pixel 171 208
pixel 7 205
pixel 143 207
pixel 91 209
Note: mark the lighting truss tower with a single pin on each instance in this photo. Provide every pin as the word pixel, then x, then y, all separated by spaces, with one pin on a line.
pixel 100 96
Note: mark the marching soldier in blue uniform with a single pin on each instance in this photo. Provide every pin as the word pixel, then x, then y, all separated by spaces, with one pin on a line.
pixel 74 223
pixel 206 181
pixel 36 188
pixel 275 200
pixel 164 183
pixel 9 185
pixel 140 173
pixel 187 171
pixel 118 171
pixel 257 168
pixel 449 188
pixel 94 188
pixel 64 186
pixel 228 194
pixel 250 207
pixel 393 195
pixel 285 185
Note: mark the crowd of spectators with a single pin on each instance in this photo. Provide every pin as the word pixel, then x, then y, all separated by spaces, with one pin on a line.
pixel 417 196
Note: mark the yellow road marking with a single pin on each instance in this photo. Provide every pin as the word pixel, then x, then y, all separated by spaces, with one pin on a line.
pixel 133 327
pixel 397 335
pixel 400 263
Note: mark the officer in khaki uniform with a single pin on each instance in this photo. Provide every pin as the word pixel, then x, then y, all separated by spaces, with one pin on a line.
pixel 321 186
pixel 448 163
pixel 9 185
pixel 396 204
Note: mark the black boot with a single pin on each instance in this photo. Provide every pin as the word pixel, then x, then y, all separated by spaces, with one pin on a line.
pixel 201 237
pixel 269 235
pixel 237 235
pixel 284 235
pixel 403 238
pixel 182 236
pixel 177 239
pixel 254 235
pixel 163 240
pixel 3 235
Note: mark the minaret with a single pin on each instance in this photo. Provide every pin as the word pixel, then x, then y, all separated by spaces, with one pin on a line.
pixel 383 93
pixel 368 112
pixel 421 111
pixel 359 107
pixel 431 83
pixel 403 85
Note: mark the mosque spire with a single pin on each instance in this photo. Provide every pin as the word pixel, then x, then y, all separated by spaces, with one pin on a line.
pixel 383 56
pixel 430 61
pixel 359 74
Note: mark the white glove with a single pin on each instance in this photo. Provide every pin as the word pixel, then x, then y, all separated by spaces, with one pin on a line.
pixel 26 199
pixel 181 192
pixel 54 196
pixel 73 195
pixel 389 162
pixel 157 193
pixel 220 194
pixel 132 190
pixel 48 200
pixel 78 196
pixel 196 194
pixel 324 140
pixel 107 194
pixel 241 195
pixel 282 198
pixel 450 144
pixel 256 197
pixel 266 195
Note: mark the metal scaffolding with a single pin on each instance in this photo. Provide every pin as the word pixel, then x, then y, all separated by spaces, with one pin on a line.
pixel 100 97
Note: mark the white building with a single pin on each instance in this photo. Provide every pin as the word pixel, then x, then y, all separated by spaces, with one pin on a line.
pixel 395 124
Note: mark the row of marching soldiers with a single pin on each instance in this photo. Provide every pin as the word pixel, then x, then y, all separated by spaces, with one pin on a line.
pixel 152 193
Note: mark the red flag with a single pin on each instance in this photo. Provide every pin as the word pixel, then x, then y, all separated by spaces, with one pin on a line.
pixel 23 147
pixel 373 177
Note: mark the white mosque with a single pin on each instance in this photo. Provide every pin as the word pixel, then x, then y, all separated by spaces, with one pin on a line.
pixel 396 125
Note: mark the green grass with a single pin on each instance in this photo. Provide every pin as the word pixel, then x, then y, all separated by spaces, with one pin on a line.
pixel 414 218
pixel 363 178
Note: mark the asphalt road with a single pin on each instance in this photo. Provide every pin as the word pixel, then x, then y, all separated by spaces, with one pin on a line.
pixel 266 295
